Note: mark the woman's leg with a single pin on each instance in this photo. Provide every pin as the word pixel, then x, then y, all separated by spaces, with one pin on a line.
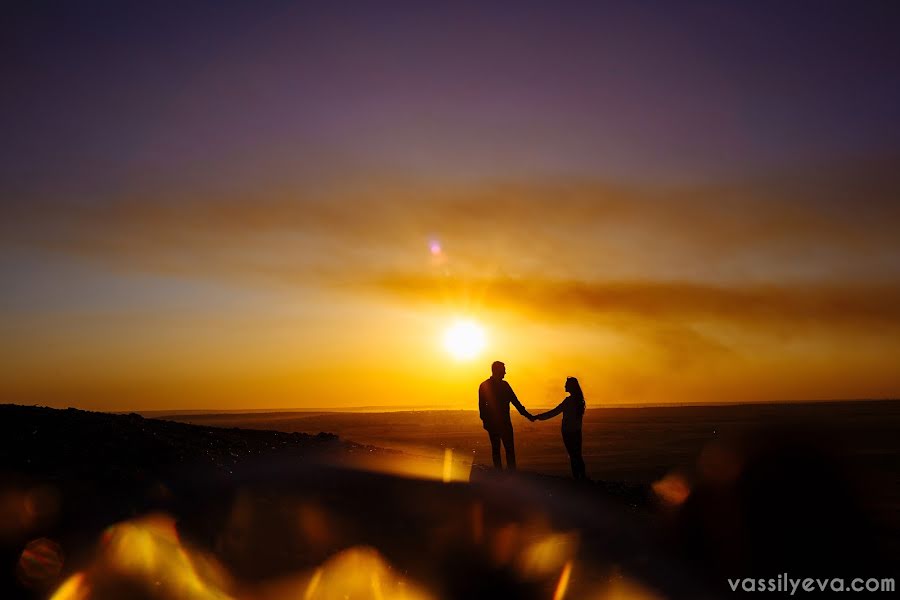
pixel 569 441
pixel 582 474
pixel 572 440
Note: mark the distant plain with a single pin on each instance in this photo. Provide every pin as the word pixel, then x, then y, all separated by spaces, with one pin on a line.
pixel 622 444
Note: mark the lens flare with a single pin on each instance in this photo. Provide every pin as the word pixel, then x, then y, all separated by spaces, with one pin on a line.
pixel 673 489
pixel 548 554
pixel 74 588
pixel 41 561
pixel 563 584
pixel 357 572
pixel 447 472
pixel 464 340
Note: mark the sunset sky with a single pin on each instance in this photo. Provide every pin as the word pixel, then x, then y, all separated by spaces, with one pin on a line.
pixel 281 204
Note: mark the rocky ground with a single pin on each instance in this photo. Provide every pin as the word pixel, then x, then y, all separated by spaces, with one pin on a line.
pixel 68 475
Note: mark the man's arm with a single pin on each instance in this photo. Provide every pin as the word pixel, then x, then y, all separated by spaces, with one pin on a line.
pixel 482 402
pixel 515 402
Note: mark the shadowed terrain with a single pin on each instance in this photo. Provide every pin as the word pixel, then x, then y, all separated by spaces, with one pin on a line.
pixel 121 506
pixel 635 444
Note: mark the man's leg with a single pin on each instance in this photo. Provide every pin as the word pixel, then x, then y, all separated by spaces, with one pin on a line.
pixel 509 444
pixel 495 448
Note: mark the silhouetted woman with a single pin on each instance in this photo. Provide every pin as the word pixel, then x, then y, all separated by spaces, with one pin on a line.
pixel 572 409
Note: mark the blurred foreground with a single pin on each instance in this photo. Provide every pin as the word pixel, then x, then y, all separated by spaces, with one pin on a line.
pixel 117 506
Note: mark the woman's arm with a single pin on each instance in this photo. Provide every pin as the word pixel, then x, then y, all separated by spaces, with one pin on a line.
pixel 550 413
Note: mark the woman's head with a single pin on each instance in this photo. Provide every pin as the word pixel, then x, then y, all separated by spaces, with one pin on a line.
pixel 573 387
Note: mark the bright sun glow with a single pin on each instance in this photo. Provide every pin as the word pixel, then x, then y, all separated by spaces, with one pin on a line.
pixel 464 340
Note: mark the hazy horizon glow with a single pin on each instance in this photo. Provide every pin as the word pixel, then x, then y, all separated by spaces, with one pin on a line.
pixel 284 206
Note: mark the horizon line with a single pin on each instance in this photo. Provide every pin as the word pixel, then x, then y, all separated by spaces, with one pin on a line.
pixel 436 408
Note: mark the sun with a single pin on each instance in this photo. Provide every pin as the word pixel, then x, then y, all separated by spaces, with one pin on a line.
pixel 464 339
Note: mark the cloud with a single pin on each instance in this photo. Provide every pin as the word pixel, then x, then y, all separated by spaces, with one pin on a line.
pixel 859 304
pixel 832 225
pixel 683 324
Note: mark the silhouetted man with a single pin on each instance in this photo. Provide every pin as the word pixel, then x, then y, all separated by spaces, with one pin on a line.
pixel 494 398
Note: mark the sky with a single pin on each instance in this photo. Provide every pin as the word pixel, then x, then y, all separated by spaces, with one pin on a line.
pixel 239 205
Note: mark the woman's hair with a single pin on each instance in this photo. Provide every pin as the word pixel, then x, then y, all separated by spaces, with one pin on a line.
pixel 574 389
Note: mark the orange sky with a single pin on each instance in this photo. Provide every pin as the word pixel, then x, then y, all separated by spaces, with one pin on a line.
pixel 647 295
pixel 233 206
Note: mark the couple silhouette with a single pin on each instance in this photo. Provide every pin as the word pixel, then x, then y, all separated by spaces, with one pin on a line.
pixel 494 397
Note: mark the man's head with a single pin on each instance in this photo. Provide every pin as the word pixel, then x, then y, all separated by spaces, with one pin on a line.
pixel 498 369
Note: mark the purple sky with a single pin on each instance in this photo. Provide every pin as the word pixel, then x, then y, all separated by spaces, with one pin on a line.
pixel 106 95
